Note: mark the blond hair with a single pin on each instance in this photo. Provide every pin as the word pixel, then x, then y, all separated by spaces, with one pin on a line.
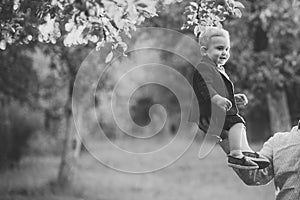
pixel 209 32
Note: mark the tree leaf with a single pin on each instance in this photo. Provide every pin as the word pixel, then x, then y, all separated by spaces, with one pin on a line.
pixel 197 30
pixel 194 4
pixel 238 4
pixel 185 26
pixel 69 26
pixel 123 45
pixel 143 5
pixel 237 13
pixel 100 45
pixel 2 45
pixel 109 57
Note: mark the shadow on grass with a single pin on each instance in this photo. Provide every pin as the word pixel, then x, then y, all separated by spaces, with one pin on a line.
pixel 35 178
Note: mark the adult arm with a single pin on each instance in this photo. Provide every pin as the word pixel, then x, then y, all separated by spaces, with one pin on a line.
pixel 258 176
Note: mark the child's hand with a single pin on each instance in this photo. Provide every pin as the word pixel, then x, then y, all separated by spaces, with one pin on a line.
pixel 241 99
pixel 222 102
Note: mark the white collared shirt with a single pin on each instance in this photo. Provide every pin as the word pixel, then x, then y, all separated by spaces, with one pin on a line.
pixel 283 151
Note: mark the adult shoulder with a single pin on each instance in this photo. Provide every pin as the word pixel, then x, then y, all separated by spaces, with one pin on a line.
pixel 284 138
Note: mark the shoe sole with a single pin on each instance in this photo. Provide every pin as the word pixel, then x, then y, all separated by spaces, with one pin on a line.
pixel 242 167
pixel 261 164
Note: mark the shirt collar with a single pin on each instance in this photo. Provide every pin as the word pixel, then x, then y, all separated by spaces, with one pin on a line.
pixel 220 69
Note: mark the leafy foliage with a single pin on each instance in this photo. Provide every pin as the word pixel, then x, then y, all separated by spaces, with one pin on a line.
pixel 74 21
pixel 266 45
pixel 210 13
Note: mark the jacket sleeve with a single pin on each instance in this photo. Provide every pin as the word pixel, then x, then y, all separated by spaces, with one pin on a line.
pixel 203 80
pixel 259 176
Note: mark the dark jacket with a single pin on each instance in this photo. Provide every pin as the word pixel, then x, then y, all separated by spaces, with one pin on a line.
pixel 207 82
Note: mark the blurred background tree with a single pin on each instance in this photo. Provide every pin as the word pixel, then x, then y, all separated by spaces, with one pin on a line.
pixel 265 42
pixel 61 24
pixel 15 86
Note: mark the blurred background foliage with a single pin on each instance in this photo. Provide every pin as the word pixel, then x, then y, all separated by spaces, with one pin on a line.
pixel 264 64
pixel 39 65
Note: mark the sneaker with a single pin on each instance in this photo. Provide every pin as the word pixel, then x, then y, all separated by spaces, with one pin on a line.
pixel 259 160
pixel 241 163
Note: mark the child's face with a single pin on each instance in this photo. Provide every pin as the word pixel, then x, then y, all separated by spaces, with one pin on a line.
pixel 218 50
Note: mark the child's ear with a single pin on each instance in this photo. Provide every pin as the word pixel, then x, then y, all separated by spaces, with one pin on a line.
pixel 203 50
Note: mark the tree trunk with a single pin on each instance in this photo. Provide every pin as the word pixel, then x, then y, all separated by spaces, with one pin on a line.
pixel 79 134
pixel 68 161
pixel 67 166
pixel 78 146
pixel 280 119
pixel 52 123
pixel 6 146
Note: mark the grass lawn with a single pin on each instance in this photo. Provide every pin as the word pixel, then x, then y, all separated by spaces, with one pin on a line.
pixel 187 179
